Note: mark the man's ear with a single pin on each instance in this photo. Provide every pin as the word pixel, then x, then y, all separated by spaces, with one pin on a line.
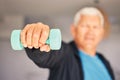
pixel 104 35
pixel 72 30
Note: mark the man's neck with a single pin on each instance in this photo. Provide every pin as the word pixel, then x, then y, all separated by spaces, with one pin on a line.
pixel 91 52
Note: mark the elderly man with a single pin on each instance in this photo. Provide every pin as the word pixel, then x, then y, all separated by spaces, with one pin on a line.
pixel 77 60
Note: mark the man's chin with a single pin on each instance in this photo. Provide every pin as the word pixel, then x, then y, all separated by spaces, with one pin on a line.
pixel 89 46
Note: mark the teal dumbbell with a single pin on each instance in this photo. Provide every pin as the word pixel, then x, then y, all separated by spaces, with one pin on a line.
pixel 54 40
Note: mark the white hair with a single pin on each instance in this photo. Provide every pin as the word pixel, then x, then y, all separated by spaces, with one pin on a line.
pixel 88 11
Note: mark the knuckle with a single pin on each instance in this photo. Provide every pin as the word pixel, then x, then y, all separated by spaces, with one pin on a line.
pixel 31 28
pixel 47 27
pixel 33 25
pixel 39 22
pixel 28 24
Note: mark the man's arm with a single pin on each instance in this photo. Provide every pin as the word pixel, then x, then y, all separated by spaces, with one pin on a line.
pixel 33 38
pixel 48 59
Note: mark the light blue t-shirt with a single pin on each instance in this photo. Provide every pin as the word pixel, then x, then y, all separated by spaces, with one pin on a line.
pixel 93 68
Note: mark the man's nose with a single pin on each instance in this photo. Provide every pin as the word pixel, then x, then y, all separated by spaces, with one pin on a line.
pixel 90 29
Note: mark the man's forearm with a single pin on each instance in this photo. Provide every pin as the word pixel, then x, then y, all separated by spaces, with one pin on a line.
pixel 46 59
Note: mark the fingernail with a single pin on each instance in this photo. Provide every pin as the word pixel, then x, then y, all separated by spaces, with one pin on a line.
pixel 25 45
pixel 41 49
pixel 48 51
pixel 30 47
pixel 36 47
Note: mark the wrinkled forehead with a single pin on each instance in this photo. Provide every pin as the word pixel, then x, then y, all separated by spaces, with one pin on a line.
pixel 90 18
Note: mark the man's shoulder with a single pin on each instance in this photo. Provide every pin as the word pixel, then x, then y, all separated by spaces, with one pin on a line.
pixel 69 47
pixel 107 64
pixel 70 44
pixel 102 57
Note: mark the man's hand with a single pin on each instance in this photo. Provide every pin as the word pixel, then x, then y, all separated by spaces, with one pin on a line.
pixel 35 35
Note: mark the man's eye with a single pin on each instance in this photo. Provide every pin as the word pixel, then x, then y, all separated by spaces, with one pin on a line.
pixel 96 27
pixel 83 25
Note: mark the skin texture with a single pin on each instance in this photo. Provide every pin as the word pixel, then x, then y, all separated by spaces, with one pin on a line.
pixel 88 33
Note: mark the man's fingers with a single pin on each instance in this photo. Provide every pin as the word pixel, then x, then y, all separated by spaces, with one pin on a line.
pixel 36 35
pixel 45 48
pixel 44 34
pixel 23 35
pixel 29 35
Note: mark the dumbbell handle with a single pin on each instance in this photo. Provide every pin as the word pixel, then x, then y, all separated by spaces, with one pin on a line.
pixel 54 40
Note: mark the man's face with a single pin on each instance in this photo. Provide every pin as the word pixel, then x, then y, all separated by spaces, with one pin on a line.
pixel 88 32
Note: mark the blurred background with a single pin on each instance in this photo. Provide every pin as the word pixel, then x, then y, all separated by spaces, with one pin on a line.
pixel 15 14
